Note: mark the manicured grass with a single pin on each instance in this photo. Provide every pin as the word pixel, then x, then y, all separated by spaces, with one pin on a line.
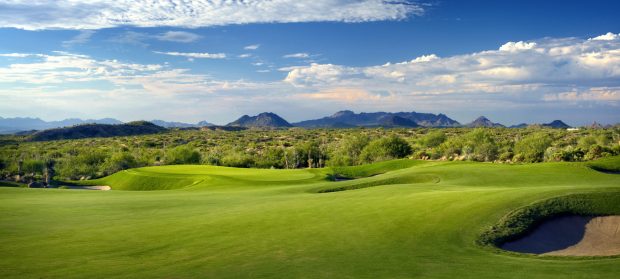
pixel 246 223
pixel 610 164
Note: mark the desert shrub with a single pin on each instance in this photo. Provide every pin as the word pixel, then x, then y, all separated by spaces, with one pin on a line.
pixel 33 166
pixel 433 139
pixel 270 157
pixel 182 155
pixel 532 148
pixel 237 159
pixel 387 148
pixel 348 150
pixel 479 145
pixel 118 162
pixel 452 147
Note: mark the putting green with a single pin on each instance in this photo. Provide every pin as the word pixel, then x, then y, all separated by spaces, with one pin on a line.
pixel 418 220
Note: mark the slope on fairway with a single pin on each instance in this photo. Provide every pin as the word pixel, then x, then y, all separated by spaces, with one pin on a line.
pixel 199 176
pixel 239 223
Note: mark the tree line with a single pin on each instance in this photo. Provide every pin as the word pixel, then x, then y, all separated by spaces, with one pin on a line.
pixel 297 148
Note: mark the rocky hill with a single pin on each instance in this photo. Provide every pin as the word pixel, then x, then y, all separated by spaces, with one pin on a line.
pixel 556 124
pixel 263 120
pixel 351 119
pixel 483 122
pixel 98 130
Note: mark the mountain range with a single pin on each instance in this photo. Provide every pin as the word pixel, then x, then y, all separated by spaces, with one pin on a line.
pixel 341 119
pixel 347 118
pixel 97 130
pixel 21 124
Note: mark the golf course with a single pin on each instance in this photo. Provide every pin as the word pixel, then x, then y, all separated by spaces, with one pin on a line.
pixel 394 219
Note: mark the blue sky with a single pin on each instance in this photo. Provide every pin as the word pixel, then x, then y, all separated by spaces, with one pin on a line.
pixel 513 61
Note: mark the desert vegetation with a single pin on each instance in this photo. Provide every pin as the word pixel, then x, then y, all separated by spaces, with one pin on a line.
pixel 299 148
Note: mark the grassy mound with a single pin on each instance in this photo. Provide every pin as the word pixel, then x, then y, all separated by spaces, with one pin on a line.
pixel 360 184
pixel 610 164
pixel 353 172
pixel 199 176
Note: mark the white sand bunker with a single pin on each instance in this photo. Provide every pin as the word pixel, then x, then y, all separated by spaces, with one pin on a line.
pixel 572 236
pixel 100 188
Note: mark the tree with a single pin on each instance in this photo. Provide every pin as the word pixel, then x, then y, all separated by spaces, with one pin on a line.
pixel 388 148
pixel 482 144
pixel 118 162
pixel 532 148
pixel 182 155
pixel 348 150
pixel 433 139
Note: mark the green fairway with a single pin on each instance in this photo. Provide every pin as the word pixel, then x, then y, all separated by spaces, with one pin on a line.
pixel 401 219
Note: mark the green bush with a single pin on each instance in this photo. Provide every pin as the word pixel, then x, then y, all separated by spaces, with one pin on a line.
pixel 387 148
pixel 118 162
pixel 182 155
pixel 532 148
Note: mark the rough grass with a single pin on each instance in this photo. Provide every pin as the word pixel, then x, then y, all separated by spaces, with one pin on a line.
pixel 243 223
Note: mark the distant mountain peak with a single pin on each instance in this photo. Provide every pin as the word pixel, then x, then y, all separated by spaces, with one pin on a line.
pixel 265 119
pixel 342 113
pixel 556 124
pixel 482 121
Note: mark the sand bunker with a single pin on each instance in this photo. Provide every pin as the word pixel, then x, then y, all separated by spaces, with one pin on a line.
pixel 572 236
pixel 100 188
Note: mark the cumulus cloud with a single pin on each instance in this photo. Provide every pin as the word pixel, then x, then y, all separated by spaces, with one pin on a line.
pixel 606 37
pixel 97 14
pixel 562 74
pixel 517 46
pixel 547 63
pixel 203 55
pixel 178 36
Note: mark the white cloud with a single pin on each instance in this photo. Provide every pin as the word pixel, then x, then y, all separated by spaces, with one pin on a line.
pixel 517 46
pixel 297 55
pixel 563 74
pixel 519 75
pixel 252 47
pixel 195 54
pixel 342 94
pixel 606 37
pixel 601 94
pixel 97 14
pixel 245 55
pixel 178 36
pixel 16 55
